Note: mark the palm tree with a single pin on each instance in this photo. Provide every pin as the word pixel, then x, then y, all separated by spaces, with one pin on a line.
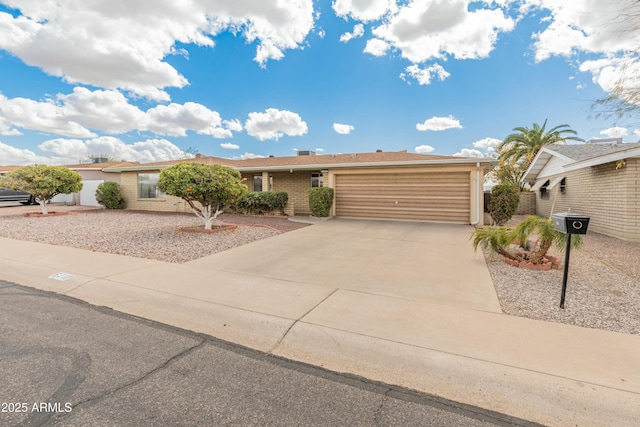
pixel 526 143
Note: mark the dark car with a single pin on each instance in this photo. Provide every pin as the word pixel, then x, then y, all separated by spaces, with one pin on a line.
pixel 8 195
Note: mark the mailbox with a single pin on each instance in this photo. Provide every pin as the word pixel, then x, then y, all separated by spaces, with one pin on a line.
pixel 570 223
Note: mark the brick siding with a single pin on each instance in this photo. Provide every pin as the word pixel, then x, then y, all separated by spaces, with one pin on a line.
pixel 610 197
pixel 527 205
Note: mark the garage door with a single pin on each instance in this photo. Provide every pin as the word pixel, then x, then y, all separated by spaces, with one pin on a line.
pixel 441 196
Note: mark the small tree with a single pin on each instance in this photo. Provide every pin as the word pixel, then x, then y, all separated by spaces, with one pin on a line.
pixel 504 202
pixel 43 182
pixel 211 186
pixel 109 195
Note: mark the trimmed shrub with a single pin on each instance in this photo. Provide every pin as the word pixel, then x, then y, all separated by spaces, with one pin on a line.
pixel 320 201
pixel 109 195
pixel 504 202
pixel 261 202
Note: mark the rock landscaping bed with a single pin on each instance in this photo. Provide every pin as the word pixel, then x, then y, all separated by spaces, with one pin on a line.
pixel 603 288
pixel 142 234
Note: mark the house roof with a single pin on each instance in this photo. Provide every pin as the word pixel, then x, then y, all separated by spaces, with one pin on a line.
pixel 577 156
pixel 322 161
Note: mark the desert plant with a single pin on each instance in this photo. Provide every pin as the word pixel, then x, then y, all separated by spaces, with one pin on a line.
pixel 528 241
pixel 109 195
pixel 211 186
pixel 504 202
pixel 259 202
pixel 320 201
pixel 43 182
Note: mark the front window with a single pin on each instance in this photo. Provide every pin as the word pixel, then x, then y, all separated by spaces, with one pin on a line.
pixel 544 190
pixel 148 186
pixel 257 182
pixel 316 180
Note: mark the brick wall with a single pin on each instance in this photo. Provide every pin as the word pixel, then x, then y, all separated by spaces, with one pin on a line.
pixel 129 184
pixel 610 197
pixel 296 185
pixel 527 205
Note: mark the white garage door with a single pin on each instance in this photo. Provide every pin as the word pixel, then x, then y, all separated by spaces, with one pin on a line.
pixel 423 196
pixel 88 192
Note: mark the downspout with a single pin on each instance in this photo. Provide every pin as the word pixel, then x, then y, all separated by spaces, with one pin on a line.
pixel 478 206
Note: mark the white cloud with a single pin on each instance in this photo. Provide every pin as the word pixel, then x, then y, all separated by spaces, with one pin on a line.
pixel 177 119
pixel 76 115
pixel 636 132
pixel 319 150
pixel 467 152
pixel 229 146
pixel 150 150
pixel 342 129
pixel 19 156
pixel 425 75
pixel 376 47
pixel 439 123
pixel 119 44
pixel 610 34
pixel 248 155
pixel 424 149
pixel 615 132
pixel 358 31
pixel 363 10
pixel 274 123
pixel 424 30
pixel 573 26
pixel 488 144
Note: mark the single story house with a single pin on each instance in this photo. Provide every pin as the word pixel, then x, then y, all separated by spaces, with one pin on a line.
pixel 600 179
pixel 380 185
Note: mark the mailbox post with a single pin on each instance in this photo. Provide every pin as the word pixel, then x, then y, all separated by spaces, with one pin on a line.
pixel 569 223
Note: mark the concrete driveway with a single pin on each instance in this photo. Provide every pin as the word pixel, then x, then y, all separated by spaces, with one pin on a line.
pixel 419 261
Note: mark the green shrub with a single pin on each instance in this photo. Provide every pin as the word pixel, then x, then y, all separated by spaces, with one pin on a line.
pixel 320 201
pixel 261 202
pixel 109 195
pixel 504 202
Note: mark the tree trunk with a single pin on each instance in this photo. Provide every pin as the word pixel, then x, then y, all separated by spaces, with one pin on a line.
pixel 206 214
pixel 538 256
pixel 43 206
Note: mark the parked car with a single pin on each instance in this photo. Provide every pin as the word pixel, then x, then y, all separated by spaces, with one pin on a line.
pixel 8 195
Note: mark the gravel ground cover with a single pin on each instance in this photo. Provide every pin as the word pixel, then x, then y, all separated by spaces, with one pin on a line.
pixel 603 287
pixel 138 234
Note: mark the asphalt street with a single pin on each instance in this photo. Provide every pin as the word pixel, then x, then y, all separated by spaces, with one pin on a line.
pixel 65 362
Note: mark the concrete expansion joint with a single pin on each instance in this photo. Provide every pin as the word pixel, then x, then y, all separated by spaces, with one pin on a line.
pixel 295 322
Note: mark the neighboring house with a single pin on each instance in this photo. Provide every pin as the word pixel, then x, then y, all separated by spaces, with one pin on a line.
pixel 92 175
pixel 600 179
pixel 384 185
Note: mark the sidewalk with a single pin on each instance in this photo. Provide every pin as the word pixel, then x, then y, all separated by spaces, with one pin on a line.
pixel 550 373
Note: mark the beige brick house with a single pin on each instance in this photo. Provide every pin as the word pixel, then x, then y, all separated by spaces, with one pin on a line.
pixel 600 179
pixel 385 185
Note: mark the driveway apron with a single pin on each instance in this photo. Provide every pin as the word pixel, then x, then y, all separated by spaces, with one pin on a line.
pixel 419 261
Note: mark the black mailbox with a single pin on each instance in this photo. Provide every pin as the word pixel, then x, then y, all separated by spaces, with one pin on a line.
pixel 570 223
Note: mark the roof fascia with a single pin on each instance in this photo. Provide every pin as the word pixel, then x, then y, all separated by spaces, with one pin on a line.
pixel 607 158
pixel 315 166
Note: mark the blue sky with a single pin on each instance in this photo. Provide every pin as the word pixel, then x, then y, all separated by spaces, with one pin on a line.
pixel 152 79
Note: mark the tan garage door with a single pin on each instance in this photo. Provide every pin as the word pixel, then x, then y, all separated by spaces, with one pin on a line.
pixel 442 196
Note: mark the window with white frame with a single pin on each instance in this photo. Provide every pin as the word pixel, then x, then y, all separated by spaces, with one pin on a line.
pixel 316 180
pixel 148 186
pixel 257 182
